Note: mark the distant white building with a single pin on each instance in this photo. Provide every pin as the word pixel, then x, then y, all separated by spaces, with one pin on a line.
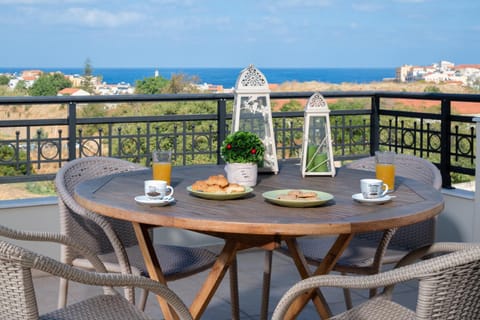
pixel 444 71
pixel 114 89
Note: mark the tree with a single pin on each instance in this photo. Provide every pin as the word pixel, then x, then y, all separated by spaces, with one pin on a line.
pixel 20 89
pixel 49 84
pixel 181 83
pixel 8 155
pixel 4 80
pixel 86 83
pixel 151 85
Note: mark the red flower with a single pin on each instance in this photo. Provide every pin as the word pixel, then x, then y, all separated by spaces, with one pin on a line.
pixel 253 151
pixel 229 146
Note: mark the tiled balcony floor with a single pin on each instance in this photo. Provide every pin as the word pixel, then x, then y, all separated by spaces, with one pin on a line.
pixel 250 267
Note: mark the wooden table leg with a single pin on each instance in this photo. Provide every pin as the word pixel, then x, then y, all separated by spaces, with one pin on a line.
pixel 304 271
pixel 327 264
pixel 214 278
pixel 153 266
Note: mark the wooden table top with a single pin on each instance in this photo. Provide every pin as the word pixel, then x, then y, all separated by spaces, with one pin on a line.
pixel 114 196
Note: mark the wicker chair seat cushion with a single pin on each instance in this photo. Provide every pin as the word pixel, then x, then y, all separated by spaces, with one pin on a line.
pixel 104 307
pixel 176 262
pixel 360 252
pixel 377 308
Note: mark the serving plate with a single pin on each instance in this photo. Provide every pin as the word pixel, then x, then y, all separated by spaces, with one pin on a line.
pixel 144 200
pixel 359 197
pixel 220 195
pixel 322 198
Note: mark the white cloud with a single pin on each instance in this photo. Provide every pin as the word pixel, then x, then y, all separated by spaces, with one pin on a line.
pixel 93 17
pixel 367 7
pixel 301 3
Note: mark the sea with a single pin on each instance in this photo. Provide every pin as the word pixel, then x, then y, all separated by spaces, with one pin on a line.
pixel 228 76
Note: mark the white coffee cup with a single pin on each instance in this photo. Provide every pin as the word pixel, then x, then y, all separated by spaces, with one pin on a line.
pixel 373 188
pixel 158 190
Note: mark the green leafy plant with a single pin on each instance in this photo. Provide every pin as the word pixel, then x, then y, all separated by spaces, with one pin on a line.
pixel 242 147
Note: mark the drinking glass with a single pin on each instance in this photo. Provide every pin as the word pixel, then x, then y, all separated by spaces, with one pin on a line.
pixel 162 165
pixel 385 168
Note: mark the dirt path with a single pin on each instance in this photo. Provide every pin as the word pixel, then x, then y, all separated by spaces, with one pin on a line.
pixel 11 191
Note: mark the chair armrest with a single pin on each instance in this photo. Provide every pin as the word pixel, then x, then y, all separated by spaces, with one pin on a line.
pixel 384 279
pixel 56 238
pixel 62 270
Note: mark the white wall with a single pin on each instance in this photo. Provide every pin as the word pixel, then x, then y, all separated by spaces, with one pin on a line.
pixel 42 215
pixel 457 221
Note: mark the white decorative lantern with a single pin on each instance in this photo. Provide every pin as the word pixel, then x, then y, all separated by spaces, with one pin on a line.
pixel 317 153
pixel 252 112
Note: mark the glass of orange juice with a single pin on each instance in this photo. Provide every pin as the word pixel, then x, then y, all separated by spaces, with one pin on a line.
pixel 385 168
pixel 162 165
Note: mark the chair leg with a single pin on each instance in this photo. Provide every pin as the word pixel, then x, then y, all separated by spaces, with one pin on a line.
pixel 62 293
pixel 143 300
pixel 233 270
pixel 267 275
pixel 347 296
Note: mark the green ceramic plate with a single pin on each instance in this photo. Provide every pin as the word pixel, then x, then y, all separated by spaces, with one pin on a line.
pixel 220 196
pixel 272 196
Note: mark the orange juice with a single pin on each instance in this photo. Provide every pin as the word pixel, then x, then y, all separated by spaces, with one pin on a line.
pixel 386 173
pixel 162 171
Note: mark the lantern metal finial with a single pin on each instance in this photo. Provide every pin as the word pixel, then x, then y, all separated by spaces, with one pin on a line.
pixel 252 112
pixel 317 152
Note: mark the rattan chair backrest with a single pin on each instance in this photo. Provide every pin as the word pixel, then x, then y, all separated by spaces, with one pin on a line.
pixel 74 219
pixel 17 293
pixel 412 167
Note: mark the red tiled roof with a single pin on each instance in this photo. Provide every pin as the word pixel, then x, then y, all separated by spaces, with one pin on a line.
pixel 464 66
pixel 68 91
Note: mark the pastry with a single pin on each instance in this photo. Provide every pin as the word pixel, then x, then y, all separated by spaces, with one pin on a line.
pixel 217 184
pixel 298 195
pixel 200 185
pixel 234 187
pixel 218 180
pixel 287 197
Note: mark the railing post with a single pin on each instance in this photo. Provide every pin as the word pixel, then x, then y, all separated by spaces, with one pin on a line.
pixel 72 130
pixel 375 125
pixel 446 143
pixel 476 215
pixel 221 125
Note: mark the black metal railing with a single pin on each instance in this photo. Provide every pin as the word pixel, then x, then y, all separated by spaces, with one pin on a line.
pixel 33 148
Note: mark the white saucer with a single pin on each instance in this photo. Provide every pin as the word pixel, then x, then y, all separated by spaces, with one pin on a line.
pixel 359 197
pixel 154 202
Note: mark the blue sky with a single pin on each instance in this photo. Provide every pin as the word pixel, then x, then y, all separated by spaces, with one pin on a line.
pixel 218 33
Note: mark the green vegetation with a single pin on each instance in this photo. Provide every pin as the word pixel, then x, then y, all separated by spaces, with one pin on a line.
pixel 242 147
pixel 179 83
pixel 7 153
pixel 49 85
pixel 4 80
pixel 87 77
pixel 434 89
pixel 152 85
pixel 46 188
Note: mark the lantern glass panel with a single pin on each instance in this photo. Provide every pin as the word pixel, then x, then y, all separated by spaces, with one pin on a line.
pixel 318 145
pixel 254 115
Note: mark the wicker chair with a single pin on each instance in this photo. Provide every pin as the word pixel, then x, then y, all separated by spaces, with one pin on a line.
pixel 113 240
pixel 18 299
pixel 448 286
pixel 367 252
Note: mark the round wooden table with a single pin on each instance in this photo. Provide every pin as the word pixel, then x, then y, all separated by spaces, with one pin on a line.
pixel 253 222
